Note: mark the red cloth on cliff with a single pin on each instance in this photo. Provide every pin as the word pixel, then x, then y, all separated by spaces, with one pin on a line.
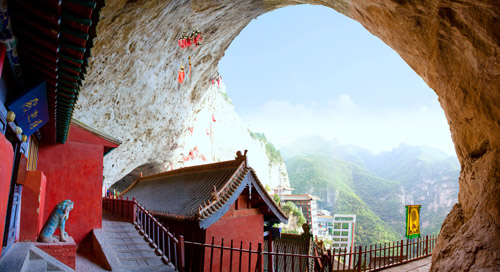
pixel 181 76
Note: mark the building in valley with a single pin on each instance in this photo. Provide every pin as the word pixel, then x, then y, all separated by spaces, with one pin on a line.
pixel 343 231
pixel 324 225
pixel 281 190
pixel 307 204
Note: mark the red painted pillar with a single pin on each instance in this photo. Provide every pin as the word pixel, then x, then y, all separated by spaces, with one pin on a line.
pixel 32 206
pixel 7 155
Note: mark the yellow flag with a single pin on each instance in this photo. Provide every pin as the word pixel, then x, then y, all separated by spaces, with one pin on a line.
pixel 412 221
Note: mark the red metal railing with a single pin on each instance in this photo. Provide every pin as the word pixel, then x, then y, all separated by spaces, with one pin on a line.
pixel 194 256
pixel 361 258
pixel 166 244
pixel 224 258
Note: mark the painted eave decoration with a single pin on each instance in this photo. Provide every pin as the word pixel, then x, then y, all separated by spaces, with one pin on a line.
pixel 189 193
pixel 54 41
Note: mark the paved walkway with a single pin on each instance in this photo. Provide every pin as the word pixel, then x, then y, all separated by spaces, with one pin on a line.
pixel 422 265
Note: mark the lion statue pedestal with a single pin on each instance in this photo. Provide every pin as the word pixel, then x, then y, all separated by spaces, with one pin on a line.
pixel 65 252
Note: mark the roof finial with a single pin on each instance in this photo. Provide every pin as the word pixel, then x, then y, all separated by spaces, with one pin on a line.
pixel 241 157
pixel 197 215
pixel 214 194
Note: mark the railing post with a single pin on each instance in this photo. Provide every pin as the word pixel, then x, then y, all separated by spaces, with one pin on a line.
pixel 180 253
pixel 401 252
pixel 407 249
pixel 118 207
pixel 127 209
pixel 134 210
pixel 331 259
pixel 269 256
pixel 426 244
pixel 359 258
pixel 259 258
pixel 120 204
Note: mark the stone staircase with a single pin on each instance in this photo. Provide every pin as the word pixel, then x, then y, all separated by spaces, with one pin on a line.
pixel 124 249
pixel 25 257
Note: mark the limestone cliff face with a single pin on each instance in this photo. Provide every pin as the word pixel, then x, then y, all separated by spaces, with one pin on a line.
pixel 216 132
pixel 131 91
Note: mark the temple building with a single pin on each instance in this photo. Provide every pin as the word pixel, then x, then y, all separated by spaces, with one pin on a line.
pixel 46 155
pixel 217 201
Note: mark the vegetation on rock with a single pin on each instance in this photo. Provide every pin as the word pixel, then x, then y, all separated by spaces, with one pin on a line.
pixel 273 154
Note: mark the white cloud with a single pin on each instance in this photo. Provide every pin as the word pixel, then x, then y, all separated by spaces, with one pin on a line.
pixel 342 119
pixel 343 102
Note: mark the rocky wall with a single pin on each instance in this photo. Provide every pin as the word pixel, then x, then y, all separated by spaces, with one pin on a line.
pixel 131 90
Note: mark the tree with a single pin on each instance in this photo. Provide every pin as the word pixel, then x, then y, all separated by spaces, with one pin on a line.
pixel 277 199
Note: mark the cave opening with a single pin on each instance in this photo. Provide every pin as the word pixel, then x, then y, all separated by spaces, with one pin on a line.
pixel 322 74
pixel 450 45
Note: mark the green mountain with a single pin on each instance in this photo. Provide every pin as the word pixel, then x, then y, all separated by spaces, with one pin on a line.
pixel 344 187
pixel 428 176
pixel 349 179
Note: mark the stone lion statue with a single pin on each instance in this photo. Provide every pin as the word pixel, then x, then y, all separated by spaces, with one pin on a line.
pixel 57 219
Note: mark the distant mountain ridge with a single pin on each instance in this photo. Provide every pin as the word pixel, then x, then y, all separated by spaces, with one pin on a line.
pixel 376 187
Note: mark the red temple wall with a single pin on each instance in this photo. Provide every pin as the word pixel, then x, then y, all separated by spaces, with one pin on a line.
pixel 7 160
pixel 74 171
pixel 245 225
pixel 32 206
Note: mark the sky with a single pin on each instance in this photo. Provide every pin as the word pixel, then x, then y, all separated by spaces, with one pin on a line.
pixel 308 70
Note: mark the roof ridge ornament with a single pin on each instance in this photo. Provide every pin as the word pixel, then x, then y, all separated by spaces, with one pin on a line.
pixel 240 157
pixel 215 194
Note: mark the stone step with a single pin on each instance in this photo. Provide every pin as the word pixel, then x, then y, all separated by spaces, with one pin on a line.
pixel 125 226
pixel 135 253
pixel 151 269
pixel 142 263
pixel 135 258
pixel 129 247
pixel 117 235
pixel 130 244
pixel 119 232
pixel 115 229
pixel 126 241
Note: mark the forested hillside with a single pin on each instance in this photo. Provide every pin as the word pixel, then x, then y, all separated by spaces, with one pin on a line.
pixel 349 179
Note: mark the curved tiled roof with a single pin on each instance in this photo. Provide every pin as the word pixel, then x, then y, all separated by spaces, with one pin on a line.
pixel 199 192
